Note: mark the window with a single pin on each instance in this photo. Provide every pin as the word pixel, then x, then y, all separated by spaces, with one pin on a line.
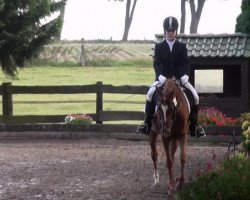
pixel 218 81
pixel 209 81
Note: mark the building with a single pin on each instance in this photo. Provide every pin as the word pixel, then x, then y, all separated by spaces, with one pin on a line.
pixel 220 70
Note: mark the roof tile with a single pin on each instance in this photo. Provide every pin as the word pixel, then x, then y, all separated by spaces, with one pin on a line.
pixel 212 45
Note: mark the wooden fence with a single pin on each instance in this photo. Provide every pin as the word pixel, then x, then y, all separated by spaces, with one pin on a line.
pixel 37 122
pixel 8 90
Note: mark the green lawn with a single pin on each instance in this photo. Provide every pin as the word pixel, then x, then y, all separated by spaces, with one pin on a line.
pixel 77 103
pixel 54 75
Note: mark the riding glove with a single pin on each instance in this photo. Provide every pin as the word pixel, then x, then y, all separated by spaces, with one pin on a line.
pixel 162 79
pixel 184 79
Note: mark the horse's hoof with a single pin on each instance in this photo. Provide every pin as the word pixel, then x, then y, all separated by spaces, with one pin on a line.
pixel 170 197
pixel 156 187
pixel 156 184
pixel 179 184
pixel 156 179
pixel 170 194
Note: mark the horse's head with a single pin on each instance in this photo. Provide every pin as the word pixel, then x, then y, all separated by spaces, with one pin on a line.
pixel 167 105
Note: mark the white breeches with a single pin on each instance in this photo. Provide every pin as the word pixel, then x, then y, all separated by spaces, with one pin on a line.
pixel 195 95
pixel 152 90
pixel 188 85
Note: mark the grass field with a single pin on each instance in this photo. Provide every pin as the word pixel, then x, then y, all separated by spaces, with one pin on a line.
pixel 74 75
pixel 96 52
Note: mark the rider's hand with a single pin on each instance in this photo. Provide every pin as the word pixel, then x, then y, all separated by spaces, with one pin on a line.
pixel 162 79
pixel 184 79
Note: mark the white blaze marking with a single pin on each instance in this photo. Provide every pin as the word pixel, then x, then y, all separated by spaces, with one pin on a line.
pixel 175 102
pixel 164 109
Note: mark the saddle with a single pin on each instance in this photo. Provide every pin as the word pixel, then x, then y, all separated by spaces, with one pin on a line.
pixel 190 97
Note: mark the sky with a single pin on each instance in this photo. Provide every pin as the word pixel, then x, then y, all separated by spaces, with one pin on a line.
pixel 103 19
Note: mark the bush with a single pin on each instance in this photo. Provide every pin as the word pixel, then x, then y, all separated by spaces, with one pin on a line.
pixel 228 182
pixel 245 117
pixel 246 132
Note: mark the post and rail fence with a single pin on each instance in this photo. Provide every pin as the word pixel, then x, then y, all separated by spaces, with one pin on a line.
pixel 8 90
pixel 7 119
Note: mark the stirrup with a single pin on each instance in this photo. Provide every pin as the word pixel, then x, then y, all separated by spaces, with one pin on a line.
pixel 142 128
pixel 200 132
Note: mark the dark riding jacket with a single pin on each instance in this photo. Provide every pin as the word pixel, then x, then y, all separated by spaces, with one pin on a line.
pixel 167 63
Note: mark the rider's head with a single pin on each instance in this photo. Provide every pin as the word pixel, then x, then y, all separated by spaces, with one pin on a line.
pixel 170 26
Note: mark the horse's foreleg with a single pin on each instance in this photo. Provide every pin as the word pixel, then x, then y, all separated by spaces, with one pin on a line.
pixel 173 148
pixel 183 158
pixel 170 162
pixel 154 155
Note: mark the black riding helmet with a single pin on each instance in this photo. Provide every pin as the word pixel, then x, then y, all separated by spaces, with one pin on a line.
pixel 170 24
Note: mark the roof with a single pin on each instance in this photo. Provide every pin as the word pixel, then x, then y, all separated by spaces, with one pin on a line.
pixel 214 45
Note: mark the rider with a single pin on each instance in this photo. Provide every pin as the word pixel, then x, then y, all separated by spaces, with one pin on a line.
pixel 171 60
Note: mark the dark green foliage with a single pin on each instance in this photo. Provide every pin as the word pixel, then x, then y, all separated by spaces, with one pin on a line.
pixel 229 182
pixel 25 29
pixel 243 20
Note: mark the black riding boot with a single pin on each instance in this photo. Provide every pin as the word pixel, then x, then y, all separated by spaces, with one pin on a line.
pixel 145 127
pixel 194 129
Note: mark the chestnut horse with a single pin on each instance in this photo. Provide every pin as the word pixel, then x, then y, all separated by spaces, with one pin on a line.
pixel 171 122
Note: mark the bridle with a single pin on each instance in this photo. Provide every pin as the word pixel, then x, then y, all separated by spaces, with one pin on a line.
pixel 164 126
pixel 164 107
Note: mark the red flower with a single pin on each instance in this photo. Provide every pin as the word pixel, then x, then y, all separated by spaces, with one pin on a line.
pixel 212 116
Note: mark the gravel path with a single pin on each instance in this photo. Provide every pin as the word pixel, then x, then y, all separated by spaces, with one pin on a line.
pixel 89 169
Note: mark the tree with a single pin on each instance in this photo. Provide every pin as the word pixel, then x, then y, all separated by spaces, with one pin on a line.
pixel 195 14
pixel 183 16
pixel 128 17
pixel 1 8
pixel 242 21
pixel 25 29
pixel 61 17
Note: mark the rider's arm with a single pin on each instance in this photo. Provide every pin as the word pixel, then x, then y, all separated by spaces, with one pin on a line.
pixel 157 62
pixel 184 65
pixel 184 61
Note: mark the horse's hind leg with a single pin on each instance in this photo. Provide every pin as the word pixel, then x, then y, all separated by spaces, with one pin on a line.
pixel 154 155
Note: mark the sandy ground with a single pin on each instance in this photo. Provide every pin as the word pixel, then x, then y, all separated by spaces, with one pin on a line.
pixel 91 169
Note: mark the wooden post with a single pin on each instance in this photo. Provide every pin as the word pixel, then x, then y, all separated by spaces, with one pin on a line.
pixel 7 100
pixel 82 57
pixel 99 101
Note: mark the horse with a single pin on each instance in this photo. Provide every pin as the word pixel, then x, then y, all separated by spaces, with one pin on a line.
pixel 170 122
